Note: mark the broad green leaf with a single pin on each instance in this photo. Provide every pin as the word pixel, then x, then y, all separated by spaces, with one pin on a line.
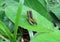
pixel 5 30
pixel 47 37
pixel 39 7
pixel 43 25
pixel 43 2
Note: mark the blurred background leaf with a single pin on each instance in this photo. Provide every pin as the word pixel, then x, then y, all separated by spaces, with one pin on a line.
pixel 5 30
pixel 53 8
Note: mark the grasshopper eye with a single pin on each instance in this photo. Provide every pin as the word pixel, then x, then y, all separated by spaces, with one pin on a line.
pixel 30 18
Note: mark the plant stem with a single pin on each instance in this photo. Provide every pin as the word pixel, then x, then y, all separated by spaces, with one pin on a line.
pixel 17 21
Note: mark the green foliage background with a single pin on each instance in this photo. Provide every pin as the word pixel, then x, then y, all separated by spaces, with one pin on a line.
pixel 13 13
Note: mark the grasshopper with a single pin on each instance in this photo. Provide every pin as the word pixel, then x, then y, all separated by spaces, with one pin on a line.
pixel 30 18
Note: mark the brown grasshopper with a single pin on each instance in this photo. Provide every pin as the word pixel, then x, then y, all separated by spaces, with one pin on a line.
pixel 30 18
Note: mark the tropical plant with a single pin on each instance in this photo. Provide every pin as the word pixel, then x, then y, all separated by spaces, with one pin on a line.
pixel 40 16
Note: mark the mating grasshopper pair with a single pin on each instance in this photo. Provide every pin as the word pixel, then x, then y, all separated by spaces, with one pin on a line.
pixel 30 18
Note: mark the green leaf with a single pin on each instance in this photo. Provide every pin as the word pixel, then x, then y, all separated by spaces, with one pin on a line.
pixel 39 7
pixel 17 20
pixel 56 15
pixel 47 37
pixel 5 30
pixel 42 22
pixel 2 2
pixel 2 32
pixel 10 2
pixel 43 2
